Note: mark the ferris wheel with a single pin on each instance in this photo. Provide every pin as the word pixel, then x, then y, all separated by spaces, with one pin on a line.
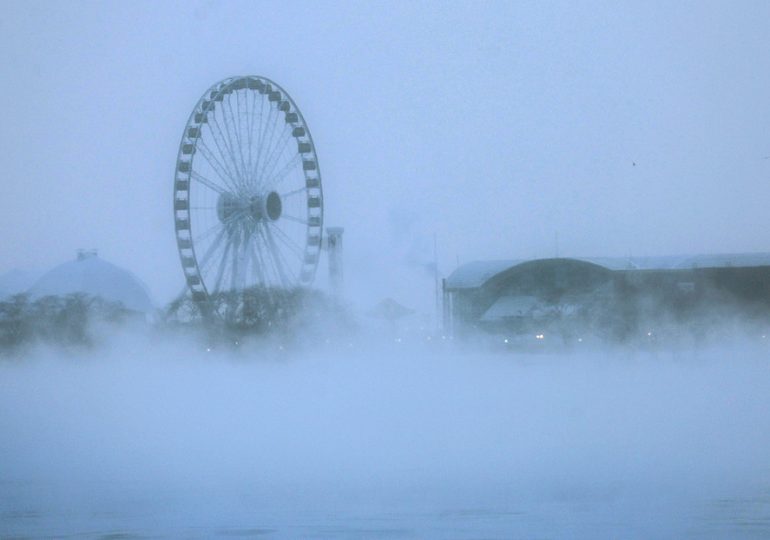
pixel 248 203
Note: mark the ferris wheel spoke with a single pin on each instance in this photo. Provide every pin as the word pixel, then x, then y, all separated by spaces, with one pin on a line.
pixel 294 219
pixel 207 257
pixel 275 250
pixel 288 242
pixel 259 265
pixel 291 275
pixel 226 154
pixel 236 135
pixel 263 135
pixel 258 136
pixel 247 117
pixel 274 169
pixel 240 133
pixel 222 239
pixel 268 146
pixel 219 167
pixel 256 126
pixel 222 266
pixel 262 253
pixel 243 262
pixel 234 267
pixel 256 271
pixel 244 280
pixel 232 133
pixel 278 149
pixel 222 172
pixel 205 234
pixel 231 146
pixel 281 146
pixel 293 192
pixel 249 128
pixel 271 257
pixel 206 182
pixel 259 261
pixel 283 172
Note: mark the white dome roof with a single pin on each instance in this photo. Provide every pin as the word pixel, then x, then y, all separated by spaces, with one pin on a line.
pixel 89 274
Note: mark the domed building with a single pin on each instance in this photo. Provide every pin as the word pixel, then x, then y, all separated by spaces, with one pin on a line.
pixel 91 275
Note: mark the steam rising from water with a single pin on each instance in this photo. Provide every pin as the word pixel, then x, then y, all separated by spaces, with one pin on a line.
pixel 165 439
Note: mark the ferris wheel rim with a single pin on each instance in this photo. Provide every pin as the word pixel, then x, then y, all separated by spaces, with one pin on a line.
pixel 236 202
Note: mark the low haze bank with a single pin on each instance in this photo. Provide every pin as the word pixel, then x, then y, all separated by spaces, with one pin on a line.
pixel 163 438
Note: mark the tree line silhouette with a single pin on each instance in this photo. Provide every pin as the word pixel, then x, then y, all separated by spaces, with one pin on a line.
pixel 81 320
pixel 69 320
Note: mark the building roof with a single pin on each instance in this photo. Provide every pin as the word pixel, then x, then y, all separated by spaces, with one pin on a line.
pixel 89 274
pixel 474 274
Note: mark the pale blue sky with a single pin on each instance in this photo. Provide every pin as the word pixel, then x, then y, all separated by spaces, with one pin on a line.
pixel 493 125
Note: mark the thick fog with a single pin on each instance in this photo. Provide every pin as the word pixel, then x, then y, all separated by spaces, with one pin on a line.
pixel 446 133
pixel 385 441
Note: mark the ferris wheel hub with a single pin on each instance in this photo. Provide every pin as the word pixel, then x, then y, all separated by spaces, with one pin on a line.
pixel 266 207
pixel 273 206
pixel 230 206
pixel 259 208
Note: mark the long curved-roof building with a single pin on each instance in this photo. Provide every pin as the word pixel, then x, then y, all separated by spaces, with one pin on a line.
pixel 91 275
pixel 616 297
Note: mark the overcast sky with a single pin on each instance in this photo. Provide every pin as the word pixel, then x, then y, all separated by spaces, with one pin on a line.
pixel 623 128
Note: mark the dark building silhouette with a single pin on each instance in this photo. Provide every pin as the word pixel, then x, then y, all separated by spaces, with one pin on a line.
pixel 612 299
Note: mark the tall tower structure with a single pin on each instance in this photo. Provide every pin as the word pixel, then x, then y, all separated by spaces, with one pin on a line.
pixel 334 251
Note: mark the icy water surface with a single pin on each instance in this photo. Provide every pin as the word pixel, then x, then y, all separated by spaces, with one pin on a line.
pixel 167 441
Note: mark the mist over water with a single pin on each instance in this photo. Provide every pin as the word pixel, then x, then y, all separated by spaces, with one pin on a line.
pixel 157 437
pixel 447 133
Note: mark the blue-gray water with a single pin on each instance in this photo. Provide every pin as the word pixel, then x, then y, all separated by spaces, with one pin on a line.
pixel 163 440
